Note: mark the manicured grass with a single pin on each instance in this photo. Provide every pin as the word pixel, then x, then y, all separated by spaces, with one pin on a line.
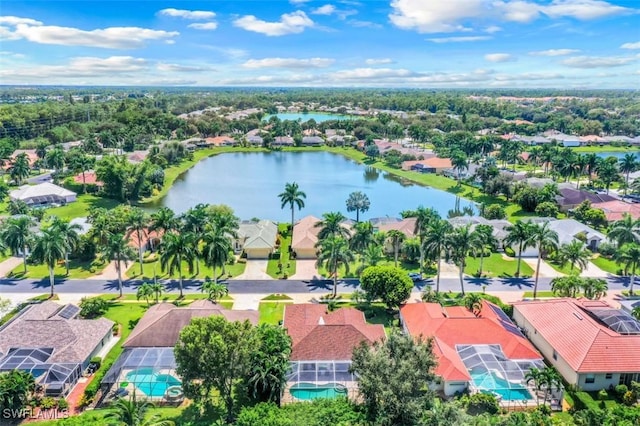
pixel 80 207
pixel 277 297
pixel 77 269
pixel 497 266
pixel 353 267
pixel 590 400
pixel 205 271
pixel 226 302
pixel 544 294
pixel 288 264
pixel 605 148
pixel 606 264
pixel 566 269
pixel 272 312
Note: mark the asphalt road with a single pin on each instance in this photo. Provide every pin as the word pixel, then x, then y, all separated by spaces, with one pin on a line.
pixel 280 286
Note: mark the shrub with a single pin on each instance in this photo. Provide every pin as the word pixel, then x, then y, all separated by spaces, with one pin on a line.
pixel 603 395
pixel 635 388
pixel 92 308
pixel 481 403
pixel 63 404
pixel 629 398
pixel 621 390
pixel 96 360
pixel 547 209
pixel 607 249
pixel 48 403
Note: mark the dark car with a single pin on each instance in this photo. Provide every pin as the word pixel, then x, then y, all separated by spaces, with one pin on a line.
pixel 415 276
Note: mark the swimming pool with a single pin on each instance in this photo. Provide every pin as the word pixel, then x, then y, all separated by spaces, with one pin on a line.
pixel 309 391
pixel 489 382
pixel 152 383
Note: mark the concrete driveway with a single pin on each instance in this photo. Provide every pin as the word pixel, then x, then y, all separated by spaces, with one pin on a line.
pixel 9 265
pixel 305 270
pixel 546 270
pixel 256 269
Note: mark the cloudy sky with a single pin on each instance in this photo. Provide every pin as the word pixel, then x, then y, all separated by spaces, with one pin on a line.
pixel 338 43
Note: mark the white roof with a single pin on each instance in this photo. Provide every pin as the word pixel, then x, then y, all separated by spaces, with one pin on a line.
pixel 567 230
pixel 45 189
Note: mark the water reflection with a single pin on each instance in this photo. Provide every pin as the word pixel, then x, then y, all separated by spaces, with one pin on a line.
pixel 371 174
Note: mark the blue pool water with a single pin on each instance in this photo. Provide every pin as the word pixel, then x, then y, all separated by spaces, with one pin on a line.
pixel 491 383
pixel 152 383
pixel 309 391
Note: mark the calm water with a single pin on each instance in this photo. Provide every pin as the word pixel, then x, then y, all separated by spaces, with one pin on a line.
pixel 250 184
pixel 318 117
pixel 618 154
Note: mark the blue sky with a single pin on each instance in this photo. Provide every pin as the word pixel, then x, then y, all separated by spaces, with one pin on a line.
pixel 340 43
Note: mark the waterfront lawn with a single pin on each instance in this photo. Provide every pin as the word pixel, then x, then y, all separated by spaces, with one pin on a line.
pixel 497 266
pixel 77 270
pixel 607 264
pixel 288 263
pixel 205 271
pixel 271 312
pixel 80 207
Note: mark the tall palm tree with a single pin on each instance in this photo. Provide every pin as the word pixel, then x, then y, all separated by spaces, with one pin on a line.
pixel 133 412
pixel 358 202
pixel 486 240
pixel 175 249
pixel 459 163
pixel 215 291
pixel 17 236
pixel 292 196
pixel 628 164
pixel 473 302
pixel 331 226
pixel 49 247
pixel 157 289
pixel 117 249
pixel 226 224
pixel 333 253
pixel 592 161
pixel 629 256
pixel 594 288
pixel 144 292
pixel 82 164
pixel 519 234
pixel 544 239
pixel 71 236
pixel 371 256
pixel 462 241
pixel 424 216
pixel 216 249
pixel 436 243
pixel 138 222
pixel 396 238
pixel 361 238
pixel 164 220
pixel 195 220
pixel 625 230
pixel 575 254
pixel 20 168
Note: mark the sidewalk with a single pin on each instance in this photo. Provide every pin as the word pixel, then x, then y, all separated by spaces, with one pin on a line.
pixel 9 265
pixel 546 271
pixel 110 272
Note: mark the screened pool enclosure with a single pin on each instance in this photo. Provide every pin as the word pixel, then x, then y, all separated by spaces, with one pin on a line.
pixel 320 379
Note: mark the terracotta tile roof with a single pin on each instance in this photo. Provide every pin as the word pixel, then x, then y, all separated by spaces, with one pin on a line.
pixel 616 209
pixel 90 178
pixel 438 163
pixel 406 226
pixel 144 237
pixel 584 343
pixel 160 326
pixel 305 233
pixel 220 140
pixel 320 335
pixel 453 326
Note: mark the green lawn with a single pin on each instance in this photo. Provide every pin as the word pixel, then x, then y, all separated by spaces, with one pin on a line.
pixel 225 302
pixel 205 271
pixel 566 269
pixel 353 267
pixel 77 269
pixel 288 264
pixel 272 312
pixel 605 148
pixel 606 264
pixel 277 297
pixel 80 207
pixel 496 266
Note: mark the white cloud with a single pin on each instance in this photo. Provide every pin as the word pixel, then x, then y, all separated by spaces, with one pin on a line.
pixel 380 61
pixel 165 67
pixel 498 57
pixel 14 20
pixel 289 63
pixel 598 61
pixel 427 16
pixel 289 23
pixel 364 24
pixel 553 52
pixel 458 39
pixel 77 68
pixel 14 55
pixel 209 26
pixel 327 9
pixel 583 9
pixel 371 73
pixel 492 29
pixel 633 46
pixel 187 14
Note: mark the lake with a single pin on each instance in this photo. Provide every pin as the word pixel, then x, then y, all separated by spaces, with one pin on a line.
pixel 317 116
pixel 618 155
pixel 250 184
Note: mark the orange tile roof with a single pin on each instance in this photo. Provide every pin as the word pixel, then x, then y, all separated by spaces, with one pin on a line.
pixel 584 343
pixel 320 335
pixel 438 163
pixel 145 237
pixel 406 226
pixel 90 178
pixel 616 209
pixel 305 233
pixel 219 140
pixel 453 326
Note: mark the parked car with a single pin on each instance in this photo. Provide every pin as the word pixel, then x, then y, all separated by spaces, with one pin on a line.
pixel 415 276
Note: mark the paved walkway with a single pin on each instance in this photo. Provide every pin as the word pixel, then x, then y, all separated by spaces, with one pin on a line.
pixel 110 272
pixel 9 265
pixel 546 271
pixel 305 270
pixel 594 272
pixel 449 270
pixel 247 301
pixel 255 270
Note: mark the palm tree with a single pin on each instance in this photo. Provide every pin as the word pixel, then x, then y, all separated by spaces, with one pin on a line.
pixel 117 249
pixel 361 238
pixel 292 196
pixel 594 288
pixel 195 220
pixel 520 235
pixel 628 164
pixel 459 163
pixel 535 375
pixel 436 243
pixel 372 255
pixel 591 163
pixel 625 230
pixel 216 249
pixel 133 412
pixel 551 379
pixel 629 256
pixel 358 202
pixel 157 289
pixel 486 240
pixel 424 216
pixel 333 253
pixel 575 254
pixel 566 286
pixel 396 238
pixel 17 236
pixel 214 290
pixel 71 236
pixel 636 312
pixel 145 291
pixel 226 224
pixel 544 239
pixel 163 221
pixel 331 226
pixel 473 302
pixel 461 242
pixel 82 164
pixel 55 159
pixel 50 247
pixel 20 168
pixel 138 221
pixel 175 249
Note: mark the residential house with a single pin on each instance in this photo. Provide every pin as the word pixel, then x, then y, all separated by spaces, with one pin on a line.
pixel 255 140
pixel 83 223
pixel 43 194
pixel 499 225
pixel 406 226
pixel 90 178
pixel 148 240
pixel 51 342
pixel 31 155
pixel 221 141
pixel 616 209
pixel 305 238
pixel 282 141
pixel 312 141
pixel 428 165
pixel 136 157
pixel 569 198
pixel 256 239
pixel 323 344
pixel 592 345
pixel 478 351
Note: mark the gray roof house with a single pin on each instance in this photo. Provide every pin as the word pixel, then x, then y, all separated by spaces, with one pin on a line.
pixel 568 229
pixel 312 141
pixel 256 239
pixel 49 340
pixel 43 194
pixel 282 141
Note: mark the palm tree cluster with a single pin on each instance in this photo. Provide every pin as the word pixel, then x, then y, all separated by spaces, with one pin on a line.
pixel 626 234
